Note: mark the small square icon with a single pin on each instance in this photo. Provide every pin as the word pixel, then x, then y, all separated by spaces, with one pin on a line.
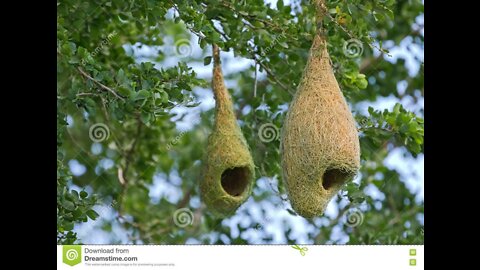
pixel 413 262
pixel 413 252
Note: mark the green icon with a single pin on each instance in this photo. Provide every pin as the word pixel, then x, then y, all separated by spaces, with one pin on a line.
pixel 302 250
pixel 413 262
pixel 413 252
pixel 72 254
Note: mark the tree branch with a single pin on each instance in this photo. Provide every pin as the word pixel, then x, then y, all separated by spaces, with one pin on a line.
pixel 252 53
pixel 84 74
pixel 123 172
pixel 185 199
pixel 130 151
pixel 272 76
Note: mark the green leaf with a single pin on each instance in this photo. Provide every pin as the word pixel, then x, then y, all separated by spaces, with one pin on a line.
pixel 82 52
pixel 279 4
pixel 121 78
pixel 362 83
pixel 145 117
pixel 143 94
pixel 83 194
pixel 207 60
pixel 68 205
pixel 68 226
pixel 75 194
pixel 92 214
pixel 203 43
pixel 124 90
pixel 164 97
pixel 396 108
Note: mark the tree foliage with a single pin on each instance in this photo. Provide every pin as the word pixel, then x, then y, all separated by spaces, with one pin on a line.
pixel 125 84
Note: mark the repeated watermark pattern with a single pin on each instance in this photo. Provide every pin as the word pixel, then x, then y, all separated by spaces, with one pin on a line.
pixel 268 133
pixel 175 140
pixel 283 197
pixel 352 48
pixel 105 42
pixel 183 48
pixel 103 208
pixel 99 132
pixel 277 40
pixel 354 218
pixel 108 206
pixel 183 217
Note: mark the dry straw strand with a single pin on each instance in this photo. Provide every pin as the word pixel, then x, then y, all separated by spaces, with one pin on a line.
pixel 229 169
pixel 320 148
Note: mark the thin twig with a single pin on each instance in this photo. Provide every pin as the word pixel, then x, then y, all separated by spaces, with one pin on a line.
pixel 99 83
pixel 86 94
pixel 122 173
pixel 130 151
pixel 253 17
pixel 270 73
pixel 255 84
pixel 186 199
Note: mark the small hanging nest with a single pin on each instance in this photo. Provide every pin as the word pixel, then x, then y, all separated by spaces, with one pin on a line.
pixel 319 146
pixel 229 170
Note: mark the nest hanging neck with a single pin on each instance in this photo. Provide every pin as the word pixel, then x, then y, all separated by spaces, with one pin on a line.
pixel 320 149
pixel 229 170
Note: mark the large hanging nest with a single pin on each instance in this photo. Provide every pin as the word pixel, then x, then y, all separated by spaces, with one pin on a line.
pixel 320 145
pixel 229 170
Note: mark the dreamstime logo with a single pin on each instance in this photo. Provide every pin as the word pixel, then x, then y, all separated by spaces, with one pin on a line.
pixel 105 42
pixel 99 132
pixel 268 132
pixel 176 140
pixel 183 48
pixel 352 48
pixel 354 218
pixel 72 254
pixel 183 217
pixel 277 40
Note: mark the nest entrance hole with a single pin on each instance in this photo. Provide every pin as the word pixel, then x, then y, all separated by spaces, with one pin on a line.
pixel 334 178
pixel 235 180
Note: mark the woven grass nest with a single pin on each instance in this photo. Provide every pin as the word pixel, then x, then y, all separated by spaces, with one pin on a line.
pixel 320 149
pixel 228 175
